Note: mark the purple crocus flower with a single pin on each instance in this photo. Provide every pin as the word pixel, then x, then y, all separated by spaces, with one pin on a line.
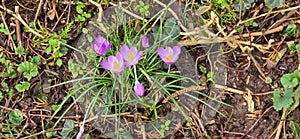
pixel 101 45
pixel 131 56
pixel 145 42
pixel 169 55
pixel 114 63
pixel 139 89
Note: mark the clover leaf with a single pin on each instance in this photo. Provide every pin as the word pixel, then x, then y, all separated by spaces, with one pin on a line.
pixel 29 69
pixel 289 80
pixel 15 117
pixel 23 86
pixel 274 3
pixel 282 101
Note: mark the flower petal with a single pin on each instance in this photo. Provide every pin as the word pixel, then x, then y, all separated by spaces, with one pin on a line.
pixel 163 54
pixel 105 65
pixel 101 45
pixel 176 53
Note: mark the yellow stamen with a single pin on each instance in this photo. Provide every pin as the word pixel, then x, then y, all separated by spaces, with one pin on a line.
pixel 169 57
pixel 116 66
pixel 130 57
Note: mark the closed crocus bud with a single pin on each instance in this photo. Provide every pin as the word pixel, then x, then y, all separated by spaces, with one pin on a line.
pixel 139 89
pixel 101 45
pixel 145 42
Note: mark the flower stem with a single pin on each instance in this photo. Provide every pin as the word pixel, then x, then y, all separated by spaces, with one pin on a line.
pixel 169 68
pixel 135 75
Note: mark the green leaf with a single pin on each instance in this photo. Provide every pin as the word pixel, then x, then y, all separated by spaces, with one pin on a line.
pixel 53 43
pixel 1 96
pixel 20 50
pixel 280 54
pixel 295 127
pixel 55 107
pixel 268 80
pixel 274 3
pixel 289 80
pixel 59 62
pixel 68 128
pixel 246 4
pixel 79 8
pixel 283 101
pixel 85 30
pixel 29 70
pixel 15 117
pixel 23 86
pixel 35 60
pixel 50 134
pixel 48 50
pixel 291 30
pixel 86 136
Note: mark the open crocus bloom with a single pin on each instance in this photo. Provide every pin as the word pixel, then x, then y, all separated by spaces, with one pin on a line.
pixel 114 63
pixel 139 89
pixel 131 56
pixel 169 55
pixel 145 42
pixel 101 45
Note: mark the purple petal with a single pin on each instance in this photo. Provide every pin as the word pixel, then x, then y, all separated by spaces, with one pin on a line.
pixel 176 53
pixel 163 54
pixel 168 50
pixel 139 89
pixel 120 62
pixel 131 57
pixel 101 45
pixel 145 42
pixel 105 64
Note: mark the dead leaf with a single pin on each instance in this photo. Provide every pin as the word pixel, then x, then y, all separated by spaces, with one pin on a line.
pixel 203 9
pixel 248 98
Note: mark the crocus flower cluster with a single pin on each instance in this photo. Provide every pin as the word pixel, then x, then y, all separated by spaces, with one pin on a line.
pixel 127 56
pixel 130 57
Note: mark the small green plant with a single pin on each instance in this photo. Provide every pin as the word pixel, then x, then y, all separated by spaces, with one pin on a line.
pixel 294 48
pixel 82 15
pixel 142 8
pixel 15 117
pixel 20 50
pixel 246 4
pixel 23 86
pixel 227 5
pixel 274 3
pixel 291 30
pixel 268 80
pixel 28 69
pixel 164 127
pixel 3 30
pixel 251 23
pixel 1 96
pixel 291 94
pixel 51 134
pixel 68 128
